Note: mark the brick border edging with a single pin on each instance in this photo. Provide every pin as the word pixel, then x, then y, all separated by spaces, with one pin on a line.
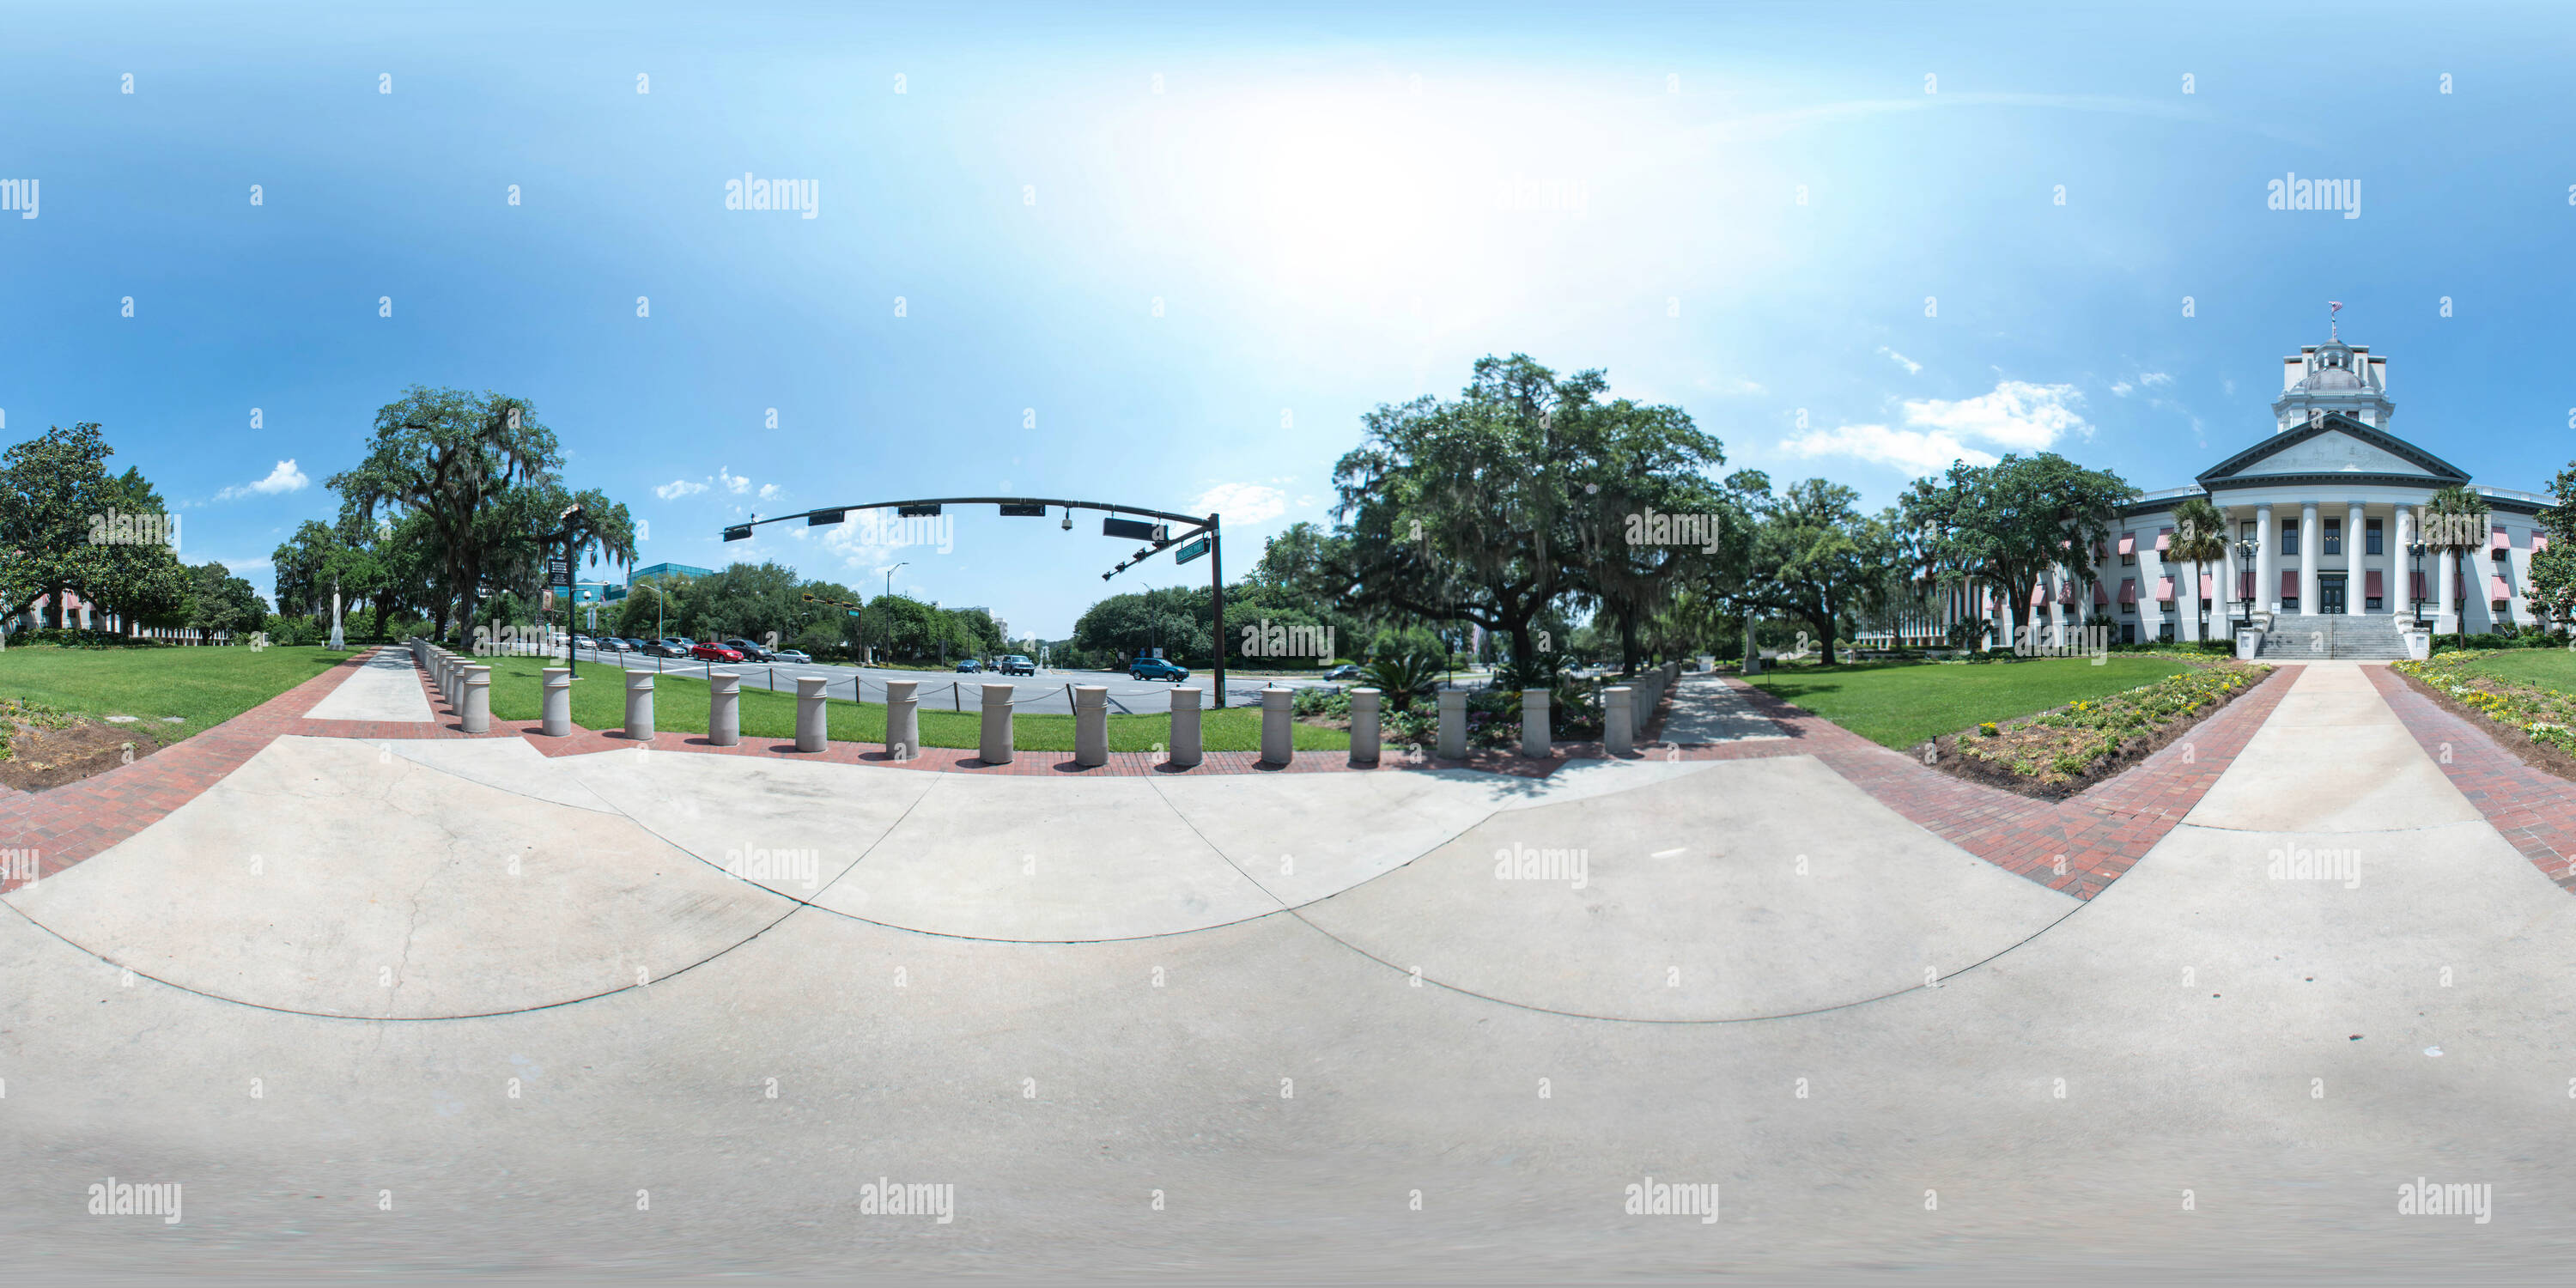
pixel 80 820
pixel 2101 832
pixel 2532 809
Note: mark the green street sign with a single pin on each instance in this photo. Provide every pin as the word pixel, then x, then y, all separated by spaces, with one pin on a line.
pixel 1191 551
pixel 854 612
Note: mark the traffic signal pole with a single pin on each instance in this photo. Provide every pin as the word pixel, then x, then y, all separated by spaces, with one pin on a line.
pixel 1216 598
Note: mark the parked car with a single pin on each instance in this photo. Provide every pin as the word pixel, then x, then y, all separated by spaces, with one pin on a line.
pixel 619 644
pixel 1346 671
pixel 674 647
pixel 1155 668
pixel 1018 665
pixel 969 667
pixel 714 652
pixel 788 655
pixel 750 652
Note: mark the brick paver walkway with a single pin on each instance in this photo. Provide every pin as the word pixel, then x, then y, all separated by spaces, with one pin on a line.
pixel 2099 834
pixel 2534 809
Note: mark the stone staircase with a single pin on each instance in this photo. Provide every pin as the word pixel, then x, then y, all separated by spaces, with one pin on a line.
pixel 2309 637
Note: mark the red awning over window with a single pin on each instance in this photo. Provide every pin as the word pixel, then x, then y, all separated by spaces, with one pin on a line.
pixel 2209 585
pixel 2499 541
pixel 2289 583
pixel 2164 539
pixel 2128 590
pixel 2038 593
pixel 2164 590
pixel 2101 594
pixel 2497 591
pixel 2128 543
pixel 2371 584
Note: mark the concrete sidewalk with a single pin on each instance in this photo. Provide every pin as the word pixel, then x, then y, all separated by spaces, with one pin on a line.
pixel 1285 1009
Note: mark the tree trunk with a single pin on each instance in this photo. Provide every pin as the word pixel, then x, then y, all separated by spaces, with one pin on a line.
pixel 1627 644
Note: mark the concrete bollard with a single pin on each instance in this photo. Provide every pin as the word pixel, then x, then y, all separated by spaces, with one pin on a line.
pixel 1187 748
pixel 903 719
pixel 1534 729
pixel 449 668
pixel 639 705
pixel 1453 724
pixel 1618 721
pixel 1091 724
pixel 811 726
pixel 1364 725
pixel 994 745
pixel 1278 740
pixel 1642 706
pixel 557 712
pixel 724 708
pixel 478 699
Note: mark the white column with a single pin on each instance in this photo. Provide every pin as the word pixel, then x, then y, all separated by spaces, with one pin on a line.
pixel 2267 541
pixel 2308 556
pixel 2401 530
pixel 2353 545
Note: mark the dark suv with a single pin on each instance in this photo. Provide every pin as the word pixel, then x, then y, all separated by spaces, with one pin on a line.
pixel 1018 665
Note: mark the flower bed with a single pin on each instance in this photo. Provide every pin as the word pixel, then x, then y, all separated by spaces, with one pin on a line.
pixel 2059 752
pixel 2536 722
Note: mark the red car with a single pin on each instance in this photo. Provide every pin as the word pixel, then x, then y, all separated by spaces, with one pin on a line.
pixel 715 653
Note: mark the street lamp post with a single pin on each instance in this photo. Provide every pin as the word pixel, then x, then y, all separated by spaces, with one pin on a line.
pixel 2415 592
pixel 889 594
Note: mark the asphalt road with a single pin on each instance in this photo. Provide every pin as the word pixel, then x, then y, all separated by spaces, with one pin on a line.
pixel 1041 694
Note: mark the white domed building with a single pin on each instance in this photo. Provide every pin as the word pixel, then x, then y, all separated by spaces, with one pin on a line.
pixel 2323 517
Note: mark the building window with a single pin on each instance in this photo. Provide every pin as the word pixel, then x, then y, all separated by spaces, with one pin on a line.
pixel 2164 633
pixel 2128 549
pixel 2334 537
pixel 2372 603
pixel 2289 603
pixel 2128 632
pixel 2289 536
pixel 2370 540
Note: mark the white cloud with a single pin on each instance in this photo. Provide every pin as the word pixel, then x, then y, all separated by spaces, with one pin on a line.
pixel 1242 503
pixel 677 488
pixel 1911 366
pixel 767 490
pixel 285 478
pixel 1733 386
pixel 733 482
pixel 1915 451
pixel 2155 378
pixel 2017 415
pixel 2122 388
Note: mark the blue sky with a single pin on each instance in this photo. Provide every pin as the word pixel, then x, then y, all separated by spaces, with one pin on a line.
pixel 1334 208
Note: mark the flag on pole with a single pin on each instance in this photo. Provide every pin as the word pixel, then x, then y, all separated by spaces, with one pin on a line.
pixel 2333 307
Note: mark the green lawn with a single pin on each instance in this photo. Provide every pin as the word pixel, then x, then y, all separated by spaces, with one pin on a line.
pixel 680 706
pixel 1899 704
pixel 206 686
pixel 2549 668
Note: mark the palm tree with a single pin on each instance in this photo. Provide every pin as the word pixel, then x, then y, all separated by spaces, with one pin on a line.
pixel 2200 538
pixel 2466 530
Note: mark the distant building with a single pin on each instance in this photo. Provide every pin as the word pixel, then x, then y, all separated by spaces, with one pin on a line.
pixel 666 570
